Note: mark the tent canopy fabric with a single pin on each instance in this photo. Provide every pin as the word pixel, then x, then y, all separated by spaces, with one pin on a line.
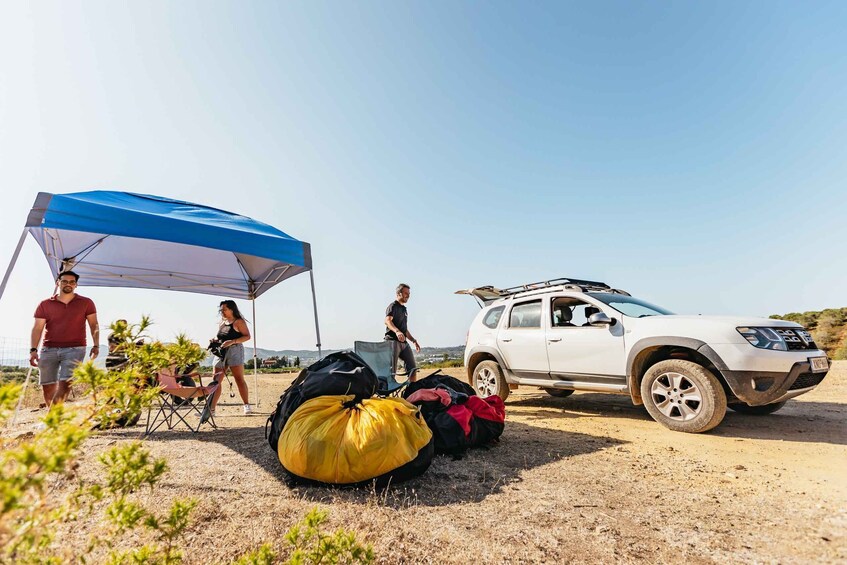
pixel 122 239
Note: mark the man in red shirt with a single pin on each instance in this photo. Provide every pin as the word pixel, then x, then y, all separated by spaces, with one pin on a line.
pixel 63 316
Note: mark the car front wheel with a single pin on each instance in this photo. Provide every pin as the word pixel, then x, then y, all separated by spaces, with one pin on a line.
pixel 488 380
pixel 742 408
pixel 683 396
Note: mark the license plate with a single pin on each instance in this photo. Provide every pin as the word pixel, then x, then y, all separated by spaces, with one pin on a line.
pixel 819 364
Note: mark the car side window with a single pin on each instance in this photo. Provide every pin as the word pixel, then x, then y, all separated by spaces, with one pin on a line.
pixel 526 315
pixel 571 313
pixel 493 317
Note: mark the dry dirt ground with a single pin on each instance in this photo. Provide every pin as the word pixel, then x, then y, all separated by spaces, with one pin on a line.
pixel 589 478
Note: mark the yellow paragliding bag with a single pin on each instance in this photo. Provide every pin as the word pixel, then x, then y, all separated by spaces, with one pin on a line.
pixel 333 440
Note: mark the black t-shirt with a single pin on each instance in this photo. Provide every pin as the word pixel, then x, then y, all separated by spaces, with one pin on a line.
pixel 399 316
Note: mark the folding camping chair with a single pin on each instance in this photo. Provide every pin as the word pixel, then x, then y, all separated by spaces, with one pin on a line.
pixel 380 358
pixel 177 402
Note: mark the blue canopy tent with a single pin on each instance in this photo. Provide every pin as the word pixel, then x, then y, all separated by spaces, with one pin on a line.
pixel 121 239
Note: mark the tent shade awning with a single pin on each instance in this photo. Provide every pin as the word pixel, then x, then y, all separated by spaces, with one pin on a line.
pixel 131 240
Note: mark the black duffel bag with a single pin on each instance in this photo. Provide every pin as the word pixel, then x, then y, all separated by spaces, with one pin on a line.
pixel 338 373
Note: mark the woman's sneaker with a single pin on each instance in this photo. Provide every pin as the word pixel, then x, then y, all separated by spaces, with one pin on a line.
pixel 247 410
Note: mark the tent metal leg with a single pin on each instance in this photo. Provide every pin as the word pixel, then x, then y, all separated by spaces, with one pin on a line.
pixel 255 362
pixel 315 306
pixel 21 399
pixel 12 262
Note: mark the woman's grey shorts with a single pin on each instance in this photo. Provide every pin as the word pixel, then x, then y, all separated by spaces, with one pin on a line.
pixel 58 362
pixel 233 356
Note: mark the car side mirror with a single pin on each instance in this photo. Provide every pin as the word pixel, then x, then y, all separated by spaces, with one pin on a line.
pixel 601 319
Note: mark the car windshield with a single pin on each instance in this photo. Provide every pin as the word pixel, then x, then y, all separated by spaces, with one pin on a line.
pixel 630 306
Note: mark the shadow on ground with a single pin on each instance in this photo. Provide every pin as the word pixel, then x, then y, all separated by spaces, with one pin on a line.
pixel 799 420
pixel 479 474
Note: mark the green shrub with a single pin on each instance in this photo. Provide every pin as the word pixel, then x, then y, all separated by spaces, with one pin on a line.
pixel 310 545
pixel 30 509
pixel 841 352
pixel 28 512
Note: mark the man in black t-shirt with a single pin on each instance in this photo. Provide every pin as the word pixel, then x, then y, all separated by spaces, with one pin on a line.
pixel 397 331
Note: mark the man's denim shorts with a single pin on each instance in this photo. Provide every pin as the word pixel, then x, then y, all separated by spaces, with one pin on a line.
pixel 58 362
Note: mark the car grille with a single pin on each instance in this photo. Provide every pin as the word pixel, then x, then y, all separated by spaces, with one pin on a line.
pixel 805 380
pixel 796 339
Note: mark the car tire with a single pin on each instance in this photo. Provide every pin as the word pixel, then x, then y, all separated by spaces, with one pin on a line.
pixel 558 392
pixel 683 396
pixel 488 380
pixel 742 408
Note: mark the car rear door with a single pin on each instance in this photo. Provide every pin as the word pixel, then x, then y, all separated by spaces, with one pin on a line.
pixel 522 339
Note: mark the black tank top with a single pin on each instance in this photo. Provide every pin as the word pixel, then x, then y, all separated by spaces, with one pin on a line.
pixel 228 331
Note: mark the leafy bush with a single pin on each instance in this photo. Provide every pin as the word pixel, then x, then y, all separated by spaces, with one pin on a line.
pixel 9 374
pixel 310 545
pixel 27 513
pixel 841 352
pixel 128 531
pixel 443 364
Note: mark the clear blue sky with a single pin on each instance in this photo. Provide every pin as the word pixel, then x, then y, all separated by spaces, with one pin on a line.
pixel 693 153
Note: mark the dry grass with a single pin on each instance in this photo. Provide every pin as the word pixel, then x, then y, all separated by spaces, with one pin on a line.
pixel 587 478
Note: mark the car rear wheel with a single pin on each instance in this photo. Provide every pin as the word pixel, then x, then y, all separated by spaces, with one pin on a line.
pixel 742 408
pixel 488 380
pixel 558 392
pixel 683 396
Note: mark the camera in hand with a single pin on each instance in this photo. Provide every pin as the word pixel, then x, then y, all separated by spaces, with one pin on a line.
pixel 216 349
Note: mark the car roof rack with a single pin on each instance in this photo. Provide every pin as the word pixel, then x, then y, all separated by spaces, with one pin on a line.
pixel 576 284
pixel 487 294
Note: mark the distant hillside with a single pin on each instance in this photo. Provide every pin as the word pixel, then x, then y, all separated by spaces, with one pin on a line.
pixel 302 353
pixel 828 328
pixel 309 355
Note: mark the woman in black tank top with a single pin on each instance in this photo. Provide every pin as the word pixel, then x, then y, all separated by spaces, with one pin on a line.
pixel 232 332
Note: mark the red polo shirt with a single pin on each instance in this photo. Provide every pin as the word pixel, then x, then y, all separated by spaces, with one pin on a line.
pixel 65 322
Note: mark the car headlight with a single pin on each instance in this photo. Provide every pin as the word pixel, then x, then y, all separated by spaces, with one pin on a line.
pixel 764 338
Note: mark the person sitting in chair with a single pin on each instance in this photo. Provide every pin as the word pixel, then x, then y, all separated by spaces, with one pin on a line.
pixel 117 352
pixel 562 316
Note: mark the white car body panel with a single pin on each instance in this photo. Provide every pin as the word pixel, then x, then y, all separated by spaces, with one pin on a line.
pixel 562 354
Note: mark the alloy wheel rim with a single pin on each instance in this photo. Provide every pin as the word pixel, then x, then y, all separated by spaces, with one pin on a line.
pixel 486 382
pixel 676 396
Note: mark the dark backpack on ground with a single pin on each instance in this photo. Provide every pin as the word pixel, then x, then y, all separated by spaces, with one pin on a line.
pixel 338 373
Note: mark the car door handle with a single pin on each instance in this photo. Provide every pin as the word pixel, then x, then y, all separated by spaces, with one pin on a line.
pixel 554 339
pixel 506 339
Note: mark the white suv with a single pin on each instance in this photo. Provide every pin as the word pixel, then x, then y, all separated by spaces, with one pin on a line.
pixel 566 335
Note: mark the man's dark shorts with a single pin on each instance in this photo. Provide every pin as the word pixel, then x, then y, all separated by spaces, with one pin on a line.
pixel 404 351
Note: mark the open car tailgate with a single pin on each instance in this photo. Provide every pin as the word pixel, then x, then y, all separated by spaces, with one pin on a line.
pixel 483 294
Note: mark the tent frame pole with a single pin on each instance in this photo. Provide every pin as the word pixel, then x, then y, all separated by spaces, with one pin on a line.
pixel 255 362
pixel 315 306
pixel 12 262
pixel 14 417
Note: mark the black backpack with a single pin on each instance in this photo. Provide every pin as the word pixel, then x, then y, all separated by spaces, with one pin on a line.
pixel 338 373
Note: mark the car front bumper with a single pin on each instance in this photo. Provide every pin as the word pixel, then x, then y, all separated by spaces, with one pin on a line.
pixel 766 387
